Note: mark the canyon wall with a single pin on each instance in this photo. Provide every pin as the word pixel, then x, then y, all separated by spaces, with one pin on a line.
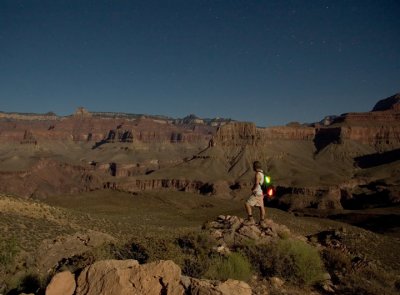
pixel 238 144
pixel 380 126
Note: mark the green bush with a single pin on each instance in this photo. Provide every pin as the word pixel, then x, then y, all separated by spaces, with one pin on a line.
pixel 8 251
pixel 196 243
pixel 302 262
pixel 235 266
pixel 292 260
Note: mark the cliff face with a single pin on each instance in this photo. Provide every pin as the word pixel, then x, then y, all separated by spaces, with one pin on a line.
pixel 237 134
pixel 105 130
pixel 289 133
pixel 390 103
pixel 377 128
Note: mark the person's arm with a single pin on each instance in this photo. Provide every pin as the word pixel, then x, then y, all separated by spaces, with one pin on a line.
pixel 257 180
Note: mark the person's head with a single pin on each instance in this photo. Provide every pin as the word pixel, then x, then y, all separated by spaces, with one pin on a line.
pixel 257 166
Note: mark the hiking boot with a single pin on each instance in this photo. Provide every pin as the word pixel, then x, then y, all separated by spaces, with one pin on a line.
pixel 249 220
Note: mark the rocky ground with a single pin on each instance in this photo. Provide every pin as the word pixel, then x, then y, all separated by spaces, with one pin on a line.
pixel 66 243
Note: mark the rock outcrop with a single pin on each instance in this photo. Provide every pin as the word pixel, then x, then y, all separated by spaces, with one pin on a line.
pixel 62 283
pixel 230 287
pixel 379 128
pixel 230 231
pixel 390 103
pixel 128 277
pixel 322 198
pixel 288 133
pixel 237 134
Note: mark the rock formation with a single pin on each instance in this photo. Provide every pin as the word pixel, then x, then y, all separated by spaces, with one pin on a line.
pixel 129 277
pixel 390 103
pixel 163 277
pixel 230 231
pixel 62 283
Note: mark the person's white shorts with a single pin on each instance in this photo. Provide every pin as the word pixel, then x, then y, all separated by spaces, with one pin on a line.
pixel 256 201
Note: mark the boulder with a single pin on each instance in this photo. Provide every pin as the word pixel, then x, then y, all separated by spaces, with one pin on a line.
pixel 128 277
pixel 234 287
pixel 207 287
pixel 62 283
pixel 276 282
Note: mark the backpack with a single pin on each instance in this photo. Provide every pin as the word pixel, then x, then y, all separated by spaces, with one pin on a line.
pixel 267 188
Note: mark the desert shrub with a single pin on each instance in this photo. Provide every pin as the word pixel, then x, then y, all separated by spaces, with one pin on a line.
pixel 335 260
pixel 196 243
pixel 257 255
pixel 146 250
pixel 163 249
pixel 27 282
pixel 8 251
pixel 283 234
pixel 130 250
pixel 293 260
pixel 103 252
pixel 235 266
pixel 195 266
pixel 369 281
pixel 302 262
pixel 196 252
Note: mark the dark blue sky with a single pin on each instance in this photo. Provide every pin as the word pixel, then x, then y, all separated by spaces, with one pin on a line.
pixel 270 62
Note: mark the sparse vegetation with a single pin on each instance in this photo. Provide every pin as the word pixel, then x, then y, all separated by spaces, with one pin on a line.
pixel 369 281
pixel 234 266
pixel 298 262
pixel 8 251
pixel 293 260
pixel 336 260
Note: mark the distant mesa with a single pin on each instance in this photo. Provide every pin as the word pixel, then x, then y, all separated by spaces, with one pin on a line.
pixel 28 116
pixel 195 120
pixel 328 120
pixel 390 103
pixel 82 112
pixel 192 119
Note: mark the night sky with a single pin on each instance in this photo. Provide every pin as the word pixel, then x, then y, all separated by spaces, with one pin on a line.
pixel 270 62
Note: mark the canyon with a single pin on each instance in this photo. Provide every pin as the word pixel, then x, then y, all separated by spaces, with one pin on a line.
pixel 350 159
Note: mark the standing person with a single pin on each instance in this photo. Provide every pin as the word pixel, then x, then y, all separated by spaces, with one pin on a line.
pixel 257 198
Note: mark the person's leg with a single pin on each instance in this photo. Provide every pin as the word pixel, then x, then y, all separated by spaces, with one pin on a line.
pixel 262 213
pixel 249 209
